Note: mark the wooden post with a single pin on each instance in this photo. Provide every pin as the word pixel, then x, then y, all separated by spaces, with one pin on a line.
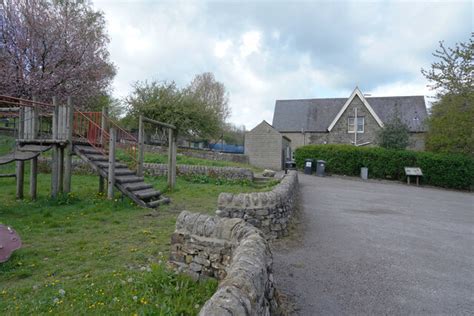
pixel 34 161
pixel 21 123
pixel 170 155
pixel 141 149
pixel 61 122
pixel 103 140
pixel 55 153
pixel 62 134
pixel 26 123
pixel 103 127
pixel 171 159
pixel 69 152
pixel 171 149
pixel 111 179
pixel 33 177
pixel 37 129
pixel 34 120
pixel 20 174
pixel 60 169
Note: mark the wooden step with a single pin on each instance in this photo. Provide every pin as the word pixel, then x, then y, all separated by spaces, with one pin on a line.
pixel 105 164
pixel 124 172
pixel 88 150
pixel 156 203
pixel 97 157
pixel 137 186
pixel 146 194
pixel 128 179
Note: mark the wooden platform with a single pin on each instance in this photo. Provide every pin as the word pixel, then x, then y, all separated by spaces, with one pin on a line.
pixel 18 156
pixel 34 148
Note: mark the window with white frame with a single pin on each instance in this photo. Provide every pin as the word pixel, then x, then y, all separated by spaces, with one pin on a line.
pixel 351 123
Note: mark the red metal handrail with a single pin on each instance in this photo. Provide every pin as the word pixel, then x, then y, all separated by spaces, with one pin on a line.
pixel 87 125
pixel 130 137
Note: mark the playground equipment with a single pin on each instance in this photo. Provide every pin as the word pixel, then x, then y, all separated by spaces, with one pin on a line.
pixel 93 137
pixel 9 242
pixel 172 147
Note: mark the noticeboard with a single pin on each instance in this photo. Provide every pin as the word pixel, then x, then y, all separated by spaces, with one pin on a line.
pixel 413 171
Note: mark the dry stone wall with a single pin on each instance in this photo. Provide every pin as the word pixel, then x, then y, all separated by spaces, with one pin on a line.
pixel 203 154
pixel 234 252
pixel 231 173
pixel 78 166
pixel 269 211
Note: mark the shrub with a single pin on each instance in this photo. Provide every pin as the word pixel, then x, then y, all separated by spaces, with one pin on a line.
pixel 394 134
pixel 444 170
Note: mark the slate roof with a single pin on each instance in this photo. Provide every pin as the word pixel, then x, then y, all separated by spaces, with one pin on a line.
pixel 315 115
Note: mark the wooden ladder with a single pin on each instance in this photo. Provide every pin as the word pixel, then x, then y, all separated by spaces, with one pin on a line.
pixel 126 180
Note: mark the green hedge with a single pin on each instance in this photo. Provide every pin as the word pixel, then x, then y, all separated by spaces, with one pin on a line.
pixel 444 170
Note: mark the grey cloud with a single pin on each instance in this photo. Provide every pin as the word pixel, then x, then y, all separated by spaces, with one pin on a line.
pixel 331 31
pixel 340 44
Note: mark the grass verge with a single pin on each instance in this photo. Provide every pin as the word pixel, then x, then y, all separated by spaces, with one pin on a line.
pixel 83 254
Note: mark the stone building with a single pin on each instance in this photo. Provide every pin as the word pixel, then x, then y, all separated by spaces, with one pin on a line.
pixel 332 120
pixel 266 147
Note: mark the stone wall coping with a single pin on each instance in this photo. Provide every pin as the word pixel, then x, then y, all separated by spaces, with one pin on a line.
pixel 245 289
pixel 257 200
pixel 151 165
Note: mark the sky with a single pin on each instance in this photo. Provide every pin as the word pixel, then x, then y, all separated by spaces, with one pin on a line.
pixel 264 51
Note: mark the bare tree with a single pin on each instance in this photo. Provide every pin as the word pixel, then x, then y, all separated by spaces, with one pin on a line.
pixel 53 48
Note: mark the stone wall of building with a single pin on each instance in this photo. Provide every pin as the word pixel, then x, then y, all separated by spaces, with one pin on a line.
pixel 297 139
pixel 203 154
pixel 263 146
pixel 230 173
pixel 231 251
pixel 340 135
pixel 269 211
pixel 416 140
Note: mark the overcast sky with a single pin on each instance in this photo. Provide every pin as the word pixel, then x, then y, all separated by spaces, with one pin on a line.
pixel 268 50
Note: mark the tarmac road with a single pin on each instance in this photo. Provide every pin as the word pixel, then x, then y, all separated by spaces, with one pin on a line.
pixel 377 248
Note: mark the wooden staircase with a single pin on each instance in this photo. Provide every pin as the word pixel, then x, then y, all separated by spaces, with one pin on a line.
pixel 126 180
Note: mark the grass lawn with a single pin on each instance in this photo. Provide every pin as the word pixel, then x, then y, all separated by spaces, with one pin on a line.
pixel 83 254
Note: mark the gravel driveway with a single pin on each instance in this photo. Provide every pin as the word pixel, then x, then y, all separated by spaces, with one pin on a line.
pixel 376 248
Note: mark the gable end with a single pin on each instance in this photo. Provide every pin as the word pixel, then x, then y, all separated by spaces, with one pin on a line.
pixel 355 93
